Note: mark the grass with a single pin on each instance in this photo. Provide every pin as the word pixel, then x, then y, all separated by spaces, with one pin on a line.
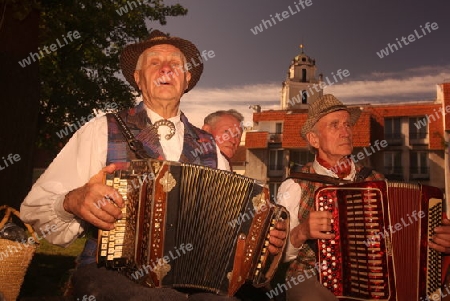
pixel 49 270
pixel 73 250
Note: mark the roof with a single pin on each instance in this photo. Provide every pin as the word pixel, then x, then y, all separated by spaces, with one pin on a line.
pixel 369 126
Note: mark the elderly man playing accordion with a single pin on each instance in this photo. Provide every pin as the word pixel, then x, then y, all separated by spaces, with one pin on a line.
pixel 328 130
pixel 162 68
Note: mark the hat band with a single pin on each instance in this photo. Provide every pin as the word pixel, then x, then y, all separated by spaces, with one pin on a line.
pixel 158 38
pixel 334 108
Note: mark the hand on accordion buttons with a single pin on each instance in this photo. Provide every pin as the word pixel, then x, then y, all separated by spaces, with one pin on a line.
pixel 316 226
pixel 277 238
pixel 441 239
pixel 96 202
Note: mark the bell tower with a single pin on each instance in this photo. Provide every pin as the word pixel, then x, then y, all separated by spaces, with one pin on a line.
pixel 301 86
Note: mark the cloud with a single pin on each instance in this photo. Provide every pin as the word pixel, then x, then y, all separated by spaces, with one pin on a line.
pixel 201 101
pixel 409 85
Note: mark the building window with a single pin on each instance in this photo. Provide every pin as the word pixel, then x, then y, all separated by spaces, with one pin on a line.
pixel 303 75
pixel 419 166
pixel 393 169
pixel 275 159
pixel 299 158
pixel 278 128
pixel 418 128
pixel 392 130
pixel 304 97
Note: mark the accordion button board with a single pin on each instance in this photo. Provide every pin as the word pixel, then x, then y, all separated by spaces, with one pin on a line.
pixel 380 250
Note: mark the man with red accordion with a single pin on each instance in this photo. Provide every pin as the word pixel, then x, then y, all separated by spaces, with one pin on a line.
pixel 68 194
pixel 328 131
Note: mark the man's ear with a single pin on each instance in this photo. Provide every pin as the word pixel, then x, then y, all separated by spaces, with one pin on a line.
pixel 188 79
pixel 207 128
pixel 313 139
pixel 137 78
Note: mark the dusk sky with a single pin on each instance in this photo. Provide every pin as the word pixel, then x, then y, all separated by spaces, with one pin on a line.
pixel 249 68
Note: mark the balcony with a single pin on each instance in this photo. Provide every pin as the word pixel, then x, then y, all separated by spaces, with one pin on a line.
pixel 394 138
pixel 275 138
pixel 420 173
pixel 418 138
pixel 393 173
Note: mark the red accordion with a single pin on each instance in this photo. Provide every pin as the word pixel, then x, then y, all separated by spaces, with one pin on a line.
pixel 381 251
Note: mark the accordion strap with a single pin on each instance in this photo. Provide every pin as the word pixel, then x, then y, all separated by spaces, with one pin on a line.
pixel 363 173
pixel 134 144
pixel 313 177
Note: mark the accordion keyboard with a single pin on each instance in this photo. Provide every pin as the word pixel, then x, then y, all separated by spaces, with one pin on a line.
pixel 358 253
pixel 434 259
pixel 381 247
pixel 112 242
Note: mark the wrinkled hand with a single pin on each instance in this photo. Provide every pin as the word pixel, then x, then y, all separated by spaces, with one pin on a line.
pixel 96 202
pixel 441 239
pixel 277 238
pixel 314 227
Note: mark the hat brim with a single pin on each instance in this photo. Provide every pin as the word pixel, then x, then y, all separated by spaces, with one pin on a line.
pixel 131 53
pixel 355 113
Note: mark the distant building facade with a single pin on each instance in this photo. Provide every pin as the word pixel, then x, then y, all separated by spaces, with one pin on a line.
pixel 407 142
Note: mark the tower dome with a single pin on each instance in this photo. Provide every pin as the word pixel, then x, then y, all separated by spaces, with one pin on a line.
pixel 297 89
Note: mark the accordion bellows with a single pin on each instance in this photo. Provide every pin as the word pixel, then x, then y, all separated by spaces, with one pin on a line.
pixel 191 227
pixel 380 250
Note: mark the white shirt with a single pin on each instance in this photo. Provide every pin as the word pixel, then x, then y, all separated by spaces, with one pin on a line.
pixel 289 195
pixel 173 147
pixel 83 156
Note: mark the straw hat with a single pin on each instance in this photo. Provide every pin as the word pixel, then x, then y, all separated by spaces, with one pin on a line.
pixel 131 53
pixel 323 106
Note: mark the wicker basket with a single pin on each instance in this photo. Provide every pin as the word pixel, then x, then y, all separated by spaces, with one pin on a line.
pixel 14 258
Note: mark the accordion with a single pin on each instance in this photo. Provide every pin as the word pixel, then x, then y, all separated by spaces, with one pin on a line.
pixel 380 250
pixel 191 227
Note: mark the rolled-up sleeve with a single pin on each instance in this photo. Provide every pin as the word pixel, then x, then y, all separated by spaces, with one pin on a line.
pixel 83 156
pixel 288 196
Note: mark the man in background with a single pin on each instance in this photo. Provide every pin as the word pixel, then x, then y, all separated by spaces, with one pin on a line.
pixel 226 128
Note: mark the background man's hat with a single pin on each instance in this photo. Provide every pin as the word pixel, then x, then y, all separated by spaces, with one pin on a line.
pixel 323 106
pixel 131 53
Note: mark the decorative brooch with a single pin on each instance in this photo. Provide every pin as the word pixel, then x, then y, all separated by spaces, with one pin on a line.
pixel 169 124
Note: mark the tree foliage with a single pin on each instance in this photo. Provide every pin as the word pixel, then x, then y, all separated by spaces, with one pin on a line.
pixel 83 75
